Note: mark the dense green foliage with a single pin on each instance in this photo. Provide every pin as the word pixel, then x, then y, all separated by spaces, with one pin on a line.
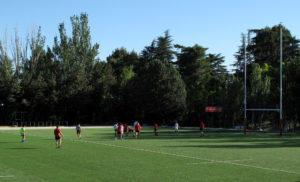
pixel 218 156
pixel 263 58
pixel 162 83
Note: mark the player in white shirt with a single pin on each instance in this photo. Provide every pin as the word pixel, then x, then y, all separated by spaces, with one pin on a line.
pixel 116 129
pixel 176 127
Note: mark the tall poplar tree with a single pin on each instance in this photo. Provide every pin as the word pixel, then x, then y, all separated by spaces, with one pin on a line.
pixel 77 56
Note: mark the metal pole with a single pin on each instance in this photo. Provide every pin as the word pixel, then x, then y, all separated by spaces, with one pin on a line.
pixel 263 109
pixel 281 119
pixel 245 88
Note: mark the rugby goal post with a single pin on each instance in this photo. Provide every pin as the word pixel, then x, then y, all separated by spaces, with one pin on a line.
pixel 245 90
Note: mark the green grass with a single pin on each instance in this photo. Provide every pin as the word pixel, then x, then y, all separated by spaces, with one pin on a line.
pixel 218 156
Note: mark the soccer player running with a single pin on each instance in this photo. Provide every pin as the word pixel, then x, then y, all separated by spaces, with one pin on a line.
pixel 137 130
pixel 57 134
pixel 23 133
pixel 176 127
pixel 202 126
pixel 78 131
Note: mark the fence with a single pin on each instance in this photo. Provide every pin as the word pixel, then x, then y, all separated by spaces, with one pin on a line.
pixel 41 123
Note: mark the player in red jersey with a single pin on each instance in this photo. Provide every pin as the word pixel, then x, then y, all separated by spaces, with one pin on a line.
pixel 126 129
pixel 155 129
pixel 137 130
pixel 57 134
pixel 130 130
pixel 202 126
pixel 121 131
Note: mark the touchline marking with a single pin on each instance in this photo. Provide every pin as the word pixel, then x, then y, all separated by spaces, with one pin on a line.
pixel 265 168
pixel 190 157
pixel 219 162
pixel 147 150
pixel 7 176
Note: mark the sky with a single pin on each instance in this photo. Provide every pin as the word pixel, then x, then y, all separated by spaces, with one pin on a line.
pixel 134 24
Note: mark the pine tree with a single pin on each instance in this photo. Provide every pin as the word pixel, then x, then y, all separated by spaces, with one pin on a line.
pixel 159 93
pixel 194 67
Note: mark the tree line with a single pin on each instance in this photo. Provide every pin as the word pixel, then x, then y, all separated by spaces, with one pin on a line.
pixel 162 83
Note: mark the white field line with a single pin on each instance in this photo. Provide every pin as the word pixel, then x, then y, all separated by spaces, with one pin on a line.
pixel 190 157
pixel 137 149
pixel 219 162
pixel 7 176
pixel 264 168
pixel 152 151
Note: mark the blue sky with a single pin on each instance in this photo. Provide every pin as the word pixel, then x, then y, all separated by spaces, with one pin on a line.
pixel 133 24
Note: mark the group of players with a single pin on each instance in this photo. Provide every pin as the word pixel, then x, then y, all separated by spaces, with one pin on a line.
pixel 119 129
pixel 57 134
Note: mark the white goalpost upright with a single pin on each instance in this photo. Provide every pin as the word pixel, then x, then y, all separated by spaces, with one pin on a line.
pixel 245 90
pixel 281 117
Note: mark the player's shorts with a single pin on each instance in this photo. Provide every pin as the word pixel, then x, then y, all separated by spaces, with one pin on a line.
pixel 119 132
pixel 137 130
pixel 57 138
pixel 78 131
pixel 22 135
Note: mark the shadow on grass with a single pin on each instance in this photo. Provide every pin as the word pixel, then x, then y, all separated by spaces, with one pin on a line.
pixel 148 134
pixel 234 135
pixel 241 146
pixel 8 142
pixel 214 139
pixel 22 148
pixel 4 142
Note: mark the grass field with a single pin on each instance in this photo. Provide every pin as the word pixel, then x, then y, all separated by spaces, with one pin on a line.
pixel 218 156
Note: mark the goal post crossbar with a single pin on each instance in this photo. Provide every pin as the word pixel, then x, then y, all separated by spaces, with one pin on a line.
pixel 245 89
pixel 263 109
